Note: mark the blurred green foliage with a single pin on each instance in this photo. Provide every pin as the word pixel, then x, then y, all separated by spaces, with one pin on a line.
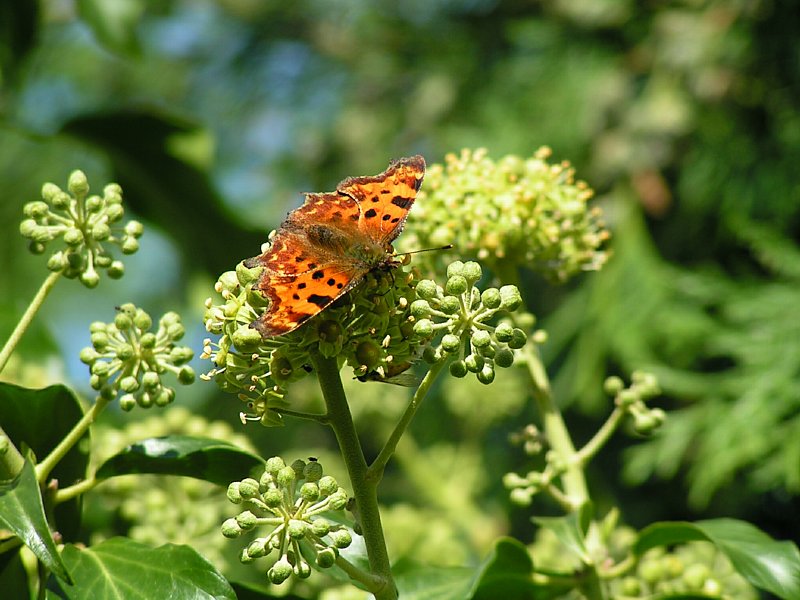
pixel 684 115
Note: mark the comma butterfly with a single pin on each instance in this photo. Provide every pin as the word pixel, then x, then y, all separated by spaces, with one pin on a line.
pixel 326 247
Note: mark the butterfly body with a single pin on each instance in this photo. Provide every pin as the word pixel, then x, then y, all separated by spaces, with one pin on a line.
pixel 325 247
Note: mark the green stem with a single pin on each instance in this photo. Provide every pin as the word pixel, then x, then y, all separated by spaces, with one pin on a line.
pixel 27 317
pixel 556 430
pixel 369 580
pixel 44 468
pixel 80 488
pixel 323 419
pixel 11 460
pixel 364 491
pixel 375 471
pixel 600 438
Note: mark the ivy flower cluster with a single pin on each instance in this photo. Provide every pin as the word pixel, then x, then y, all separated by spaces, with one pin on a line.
pixel 127 357
pixel 370 328
pixel 515 212
pixel 632 400
pixel 291 502
pixel 461 312
pixel 86 224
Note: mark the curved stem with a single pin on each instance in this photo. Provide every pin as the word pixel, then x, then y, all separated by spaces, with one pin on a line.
pixel 302 415
pixel 68 493
pixel 356 574
pixel 44 468
pixel 27 317
pixel 600 438
pixel 364 491
pixel 375 471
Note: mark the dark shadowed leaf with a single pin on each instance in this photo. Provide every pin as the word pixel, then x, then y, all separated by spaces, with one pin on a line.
pixel 201 458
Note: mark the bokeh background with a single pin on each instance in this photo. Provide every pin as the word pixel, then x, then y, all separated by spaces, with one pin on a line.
pixel 684 116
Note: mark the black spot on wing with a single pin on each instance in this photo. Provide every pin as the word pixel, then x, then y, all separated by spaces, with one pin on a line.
pixel 301 286
pixel 331 281
pixel 318 275
pixel 371 213
pixel 386 217
pixel 321 301
pixel 402 202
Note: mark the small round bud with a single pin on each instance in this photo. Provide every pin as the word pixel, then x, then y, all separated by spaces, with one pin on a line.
pixel 151 380
pixel 286 476
pixel 73 237
pixel 309 492
pixel 90 279
pixel 127 402
pixel 298 465
pixel 450 305
pixel 88 356
pixel 326 558
pixel 134 229
pixel 130 245
pixel 312 471
pixel 230 529
pixel 504 333
pixel 455 268
pixel 246 520
pixel 451 343
pixel 510 298
pixel 186 375
pixel 338 500
pixel 77 184
pixel 491 298
pixel 471 271
pixel 613 385
pixel 114 212
pixel 258 549
pixel 233 493
pixel 274 465
pixel 320 527
pixel 50 191
pixel 56 262
pixel 272 498
pixel 116 269
pixel 368 353
pixel 302 569
pixel 129 384
pixel 456 285
pixel 427 289
pixel 424 328
pixel 458 368
pixel 101 232
pixel 142 320
pixel 297 529
pixel 327 485
pixel 341 538
pixel 123 321
pixel 474 362
pixel 248 488
pixel 481 338
pixel 486 375
pixel 420 309
pixel 280 571
pixel 518 339
pixel 504 358
pixel 93 204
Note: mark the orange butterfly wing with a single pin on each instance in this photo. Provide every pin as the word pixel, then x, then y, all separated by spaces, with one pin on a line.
pixel 311 263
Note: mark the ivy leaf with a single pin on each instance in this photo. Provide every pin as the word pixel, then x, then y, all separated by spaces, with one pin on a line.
pixel 766 563
pixel 201 458
pixel 22 511
pixel 506 573
pixel 568 531
pixel 120 568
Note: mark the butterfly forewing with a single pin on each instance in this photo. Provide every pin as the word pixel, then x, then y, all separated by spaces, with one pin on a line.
pixel 310 262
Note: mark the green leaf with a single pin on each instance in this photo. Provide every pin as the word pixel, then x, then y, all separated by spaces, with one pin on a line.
pixel 768 564
pixel 114 22
pixel 568 531
pixel 435 583
pixel 22 511
pixel 505 573
pixel 121 568
pixel 201 458
pixel 39 420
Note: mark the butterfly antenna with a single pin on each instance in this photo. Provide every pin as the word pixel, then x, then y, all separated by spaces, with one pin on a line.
pixel 447 247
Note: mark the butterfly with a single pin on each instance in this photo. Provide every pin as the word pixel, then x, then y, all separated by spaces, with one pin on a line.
pixel 326 247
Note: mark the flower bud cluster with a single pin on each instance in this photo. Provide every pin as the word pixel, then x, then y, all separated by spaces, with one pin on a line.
pixel 86 225
pixel 370 328
pixel 460 311
pixel 290 501
pixel 516 211
pixel 632 399
pixel 127 357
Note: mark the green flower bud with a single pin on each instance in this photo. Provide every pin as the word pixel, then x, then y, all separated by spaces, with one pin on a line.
pixel 272 498
pixel 471 271
pixel 455 268
pixel 450 305
pixel 302 569
pixel 116 269
pixel 129 384
pixel 486 375
pixel 285 477
pixel 341 538
pixel 77 184
pixel 148 341
pixel 337 500
pixel 424 328
pixel 274 465
pixel 90 279
pixel 327 485
pixel 233 493
pixel 320 527
pixel 613 385
pixel 186 375
pixel 230 529
pixel 504 333
pixel 123 321
pixel 246 520
pixel 481 338
pixel 326 558
pixel 368 353
pixel 456 285
pixel 510 298
pixel 296 529
pixel 125 352
pixel 165 396
pixel 258 549
pixel 56 262
pixel 150 380
pixel 280 571
pixel 93 205
pixel 130 245
pixel 474 362
pixel 127 402
pixel 61 200
pixel 518 339
pixel 299 466
pixel 248 488
pixel 491 298
pixel 73 237
pixel 420 309
pixel 35 210
pixel 142 320
pixel 309 492
pixel 114 213
pixel 427 289
pixel 451 343
pixel 312 471
pixel 50 191
pixel 134 229
pixel 88 356
pixel 101 232
pixel 458 368
pixel 504 358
